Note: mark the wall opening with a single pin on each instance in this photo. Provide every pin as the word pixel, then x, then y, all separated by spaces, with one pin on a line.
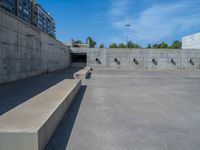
pixel 78 59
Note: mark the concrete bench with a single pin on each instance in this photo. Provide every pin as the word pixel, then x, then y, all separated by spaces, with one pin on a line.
pixel 30 125
pixel 82 74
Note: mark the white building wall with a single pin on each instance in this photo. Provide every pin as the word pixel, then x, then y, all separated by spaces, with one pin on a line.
pixel 191 41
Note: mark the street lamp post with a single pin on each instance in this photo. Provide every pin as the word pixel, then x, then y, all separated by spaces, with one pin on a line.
pixel 128 26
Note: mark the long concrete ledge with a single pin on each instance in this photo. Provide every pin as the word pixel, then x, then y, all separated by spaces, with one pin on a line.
pixel 82 74
pixel 30 125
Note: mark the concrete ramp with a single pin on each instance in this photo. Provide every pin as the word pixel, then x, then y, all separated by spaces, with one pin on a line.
pixel 30 125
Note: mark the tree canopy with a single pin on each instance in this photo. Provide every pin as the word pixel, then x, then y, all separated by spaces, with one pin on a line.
pixel 79 42
pixel 91 42
pixel 163 45
pixel 149 46
pixel 101 45
pixel 176 45
pixel 113 45
pixel 133 45
pixel 122 45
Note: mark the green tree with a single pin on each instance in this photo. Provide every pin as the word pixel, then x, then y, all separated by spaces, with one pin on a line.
pixel 122 45
pixel 155 46
pixel 163 45
pixel 101 45
pixel 113 45
pixel 79 42
pixel 176 45
pixel 133 45
pixel 149 46
pixel 91 42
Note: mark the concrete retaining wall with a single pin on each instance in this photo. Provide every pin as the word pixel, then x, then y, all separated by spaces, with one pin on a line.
pixel 142 58
pixel 25 51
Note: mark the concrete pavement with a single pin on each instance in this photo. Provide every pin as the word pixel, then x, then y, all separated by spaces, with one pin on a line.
pixel 139 110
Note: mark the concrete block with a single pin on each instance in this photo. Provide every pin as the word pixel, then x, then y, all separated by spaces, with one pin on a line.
pixel 30 125
pixel 1 66
pixel 21 40
pixel 1 79
pixel 1 18
pixel 173 62
pixel 6 78
pixel 136 62
pixel 10 51
pixel 11 65
pixel 1 34
pixel 9 37
pixel 9 21
pixel 82 74
pixel 18 66
pixel 22 28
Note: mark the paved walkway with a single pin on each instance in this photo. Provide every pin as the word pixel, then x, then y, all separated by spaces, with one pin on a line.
pixel 140 110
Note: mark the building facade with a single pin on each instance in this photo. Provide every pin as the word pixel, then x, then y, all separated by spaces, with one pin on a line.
pixel 9 5
pixel 34 13
pixel 45 21
pixel 24 10
pixel 191 41
pixel 31 12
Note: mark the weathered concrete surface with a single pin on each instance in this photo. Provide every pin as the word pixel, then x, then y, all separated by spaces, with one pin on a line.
pixel 140 110
pixel 25 89
pixel 31 124
pixel 77 65
pixel 25 51
pixel 83 73
pixel 141 58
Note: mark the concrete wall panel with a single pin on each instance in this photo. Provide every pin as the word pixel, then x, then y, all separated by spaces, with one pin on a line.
pixel 163 58
pixel 93 55
pixel 25 51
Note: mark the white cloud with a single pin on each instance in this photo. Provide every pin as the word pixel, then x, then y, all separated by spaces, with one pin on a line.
pixel 118 7
pixel 156 23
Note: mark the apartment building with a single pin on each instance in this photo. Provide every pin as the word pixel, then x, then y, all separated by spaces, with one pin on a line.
pixel 9 5
pixel 24 10
pixel 34 14
pixel 31 12
pixel 45 21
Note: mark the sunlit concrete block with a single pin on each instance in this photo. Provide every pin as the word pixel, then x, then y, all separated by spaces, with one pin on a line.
pixel 30 125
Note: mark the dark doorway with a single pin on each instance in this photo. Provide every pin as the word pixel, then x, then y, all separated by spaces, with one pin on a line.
pixel 78 60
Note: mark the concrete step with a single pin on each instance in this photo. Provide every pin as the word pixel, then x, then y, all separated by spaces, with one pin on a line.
pixel 30 125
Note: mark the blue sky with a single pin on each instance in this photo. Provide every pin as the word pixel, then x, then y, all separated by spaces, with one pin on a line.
pixel 152 20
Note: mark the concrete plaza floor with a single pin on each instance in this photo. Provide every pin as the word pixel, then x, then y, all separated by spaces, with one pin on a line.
pixel 138 110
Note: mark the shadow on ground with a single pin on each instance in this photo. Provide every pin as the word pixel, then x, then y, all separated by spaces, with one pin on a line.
pixel 15 93
pixel 62 134
pixel 89 76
